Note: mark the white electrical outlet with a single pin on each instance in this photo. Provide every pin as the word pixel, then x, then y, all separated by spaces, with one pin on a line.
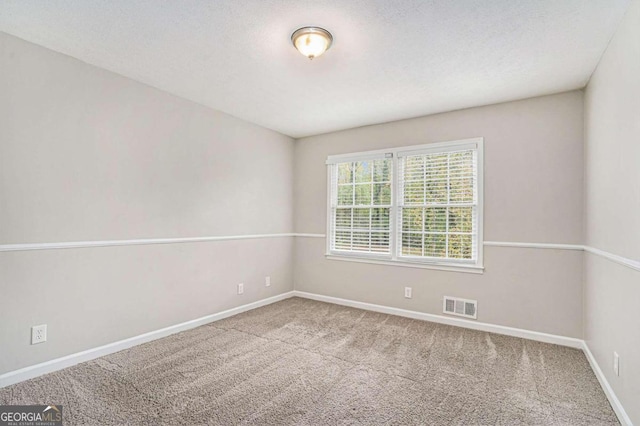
pixel 38 334
pixel 267 281
pixel 407 292
pixel 240 288
pixel 616 363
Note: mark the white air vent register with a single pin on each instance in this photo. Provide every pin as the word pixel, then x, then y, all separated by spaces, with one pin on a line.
pixel 461 307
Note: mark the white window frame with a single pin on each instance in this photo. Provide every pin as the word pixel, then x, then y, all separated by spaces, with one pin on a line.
pixel 393 258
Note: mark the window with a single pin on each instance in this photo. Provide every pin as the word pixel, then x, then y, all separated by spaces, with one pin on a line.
pixel 362 208
pixel 419 206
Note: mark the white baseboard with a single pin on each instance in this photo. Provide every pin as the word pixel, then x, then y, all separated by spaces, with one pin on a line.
pixel 441 319
pixel 73 359
pixel 606 387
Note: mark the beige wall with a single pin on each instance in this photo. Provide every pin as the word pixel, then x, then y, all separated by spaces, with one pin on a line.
pixel 533 193
pixel 612 211
pixel 88 155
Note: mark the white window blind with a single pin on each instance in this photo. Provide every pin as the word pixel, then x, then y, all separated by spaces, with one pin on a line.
pixel 361 206
pixel 419 204
pixel 438 205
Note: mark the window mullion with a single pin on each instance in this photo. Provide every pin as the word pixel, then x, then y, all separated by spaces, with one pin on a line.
pixel 424 199
pixel 351 229
pixel 353 202
pixel 371 186
pixel 370 227
pixel 394 220
pixel 446 238
pixel 333 203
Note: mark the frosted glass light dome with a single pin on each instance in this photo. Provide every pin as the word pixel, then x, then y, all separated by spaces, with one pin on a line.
pixel 312 41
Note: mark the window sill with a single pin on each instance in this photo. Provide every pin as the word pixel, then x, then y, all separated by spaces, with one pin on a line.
pixel 469 269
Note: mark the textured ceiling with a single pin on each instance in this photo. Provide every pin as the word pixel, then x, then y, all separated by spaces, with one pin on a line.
pixel 390 59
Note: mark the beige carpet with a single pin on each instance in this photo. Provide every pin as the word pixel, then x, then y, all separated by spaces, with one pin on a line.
pixel 311 363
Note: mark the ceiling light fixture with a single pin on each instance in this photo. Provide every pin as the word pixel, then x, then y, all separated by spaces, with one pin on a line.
pixel 311 41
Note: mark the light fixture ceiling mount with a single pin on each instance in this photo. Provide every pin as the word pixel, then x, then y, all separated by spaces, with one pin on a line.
pixel 312 41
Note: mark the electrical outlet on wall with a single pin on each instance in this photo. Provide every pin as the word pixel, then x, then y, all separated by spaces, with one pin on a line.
pixel 240 288
pixel 38 334
pixel 616 363
pixel 407 292
pixel 267 281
